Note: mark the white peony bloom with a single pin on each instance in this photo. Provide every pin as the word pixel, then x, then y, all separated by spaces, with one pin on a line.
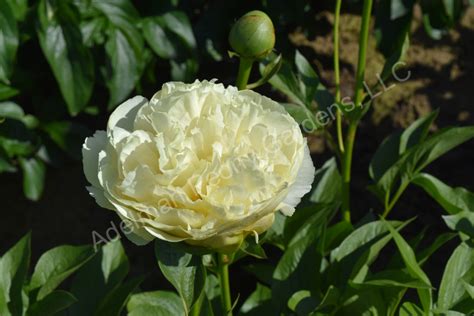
pixel 199 163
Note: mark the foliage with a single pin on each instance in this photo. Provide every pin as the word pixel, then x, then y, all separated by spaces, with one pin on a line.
pixel 99 52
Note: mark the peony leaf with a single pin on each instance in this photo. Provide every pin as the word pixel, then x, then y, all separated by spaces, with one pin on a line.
pixel 410 309
pixel 52 303
pixel 116 300
pixel 8 40
pixel 71 61
pixel 259 302
pixel 13 269
pixel 185 271
pixel 327 184
pixel 55 265
pixel 394 146
pixel 413 267
pixel 453 200
pixel 451 290
pixel 124 65
pixel 7 92
pixel 106 271
pixel 33 177
pixel 160 303
pixel 302 303
pixel 303 238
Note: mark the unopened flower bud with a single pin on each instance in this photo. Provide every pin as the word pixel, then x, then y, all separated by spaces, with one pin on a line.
pixel 253 35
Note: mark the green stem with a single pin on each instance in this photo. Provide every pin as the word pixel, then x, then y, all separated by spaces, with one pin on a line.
pixel 196 310
pixel 395 199
pixel 364 37
pixel 337 77
pixel 352 130
pixel 245 67
pixel 223 274
pixel 346 171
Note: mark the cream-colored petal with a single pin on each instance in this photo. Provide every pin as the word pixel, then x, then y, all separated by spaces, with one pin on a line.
pixel 98 195
pixel 90 156
pixel 301 186
pixel 124 115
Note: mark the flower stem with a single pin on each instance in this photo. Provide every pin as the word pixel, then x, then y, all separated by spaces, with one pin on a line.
pixel 196 310
pixel 245 67
pixel 346 171
pixel 352 130
pixel 364 37
pixel 337 77
pixel 223 274
pixel 395 199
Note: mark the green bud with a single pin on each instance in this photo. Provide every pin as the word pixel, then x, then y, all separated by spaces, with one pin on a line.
pixel 253 35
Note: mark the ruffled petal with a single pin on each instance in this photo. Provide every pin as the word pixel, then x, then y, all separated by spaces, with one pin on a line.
pixel 90 156
pixel 124 115
pixel 301 186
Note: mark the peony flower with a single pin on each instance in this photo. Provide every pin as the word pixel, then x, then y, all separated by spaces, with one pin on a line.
pixel 198 163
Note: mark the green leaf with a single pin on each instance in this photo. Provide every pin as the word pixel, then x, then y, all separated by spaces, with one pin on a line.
pixel 33 177
pixel 301 115
pixel 11 110
pixel 392 278
pixel 55 265
pixel 451 289
pixel 263 272
pixel 13 269
pixel 124 67
pixel 424 255
pixel 52 304
pixel 155 303
pixel 16 139
pixel 93 31
pixel 170 35
pixel 309 80
pixel 124 48
pixel 390 66
pixel 5 163
pixel 304 237
pixel 8 40
pixel 157 36
pixel 122 14
pixel 327 183
pixel 286 82
pixel 19 8
pixel 421 155
pixel 7 92
pixel 71 61
pixel 178 23
pixel 269 70
pixel 360 237
pixel 359 250
pixel 69 136
pixel 410 309
pixel 336 234
pixel 462 222
pixel 413 267
pixel 330 299
pixel 116 300
pixel 362 302
pixel 250 247
pixel 184 70
pixel 453 200
pixel 185 271
pixel 302 303
pixel 398 143
pixel 392 25
pixel 258 303
pixel 106 271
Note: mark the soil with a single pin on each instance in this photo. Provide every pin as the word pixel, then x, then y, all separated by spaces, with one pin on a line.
pixel 442 77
